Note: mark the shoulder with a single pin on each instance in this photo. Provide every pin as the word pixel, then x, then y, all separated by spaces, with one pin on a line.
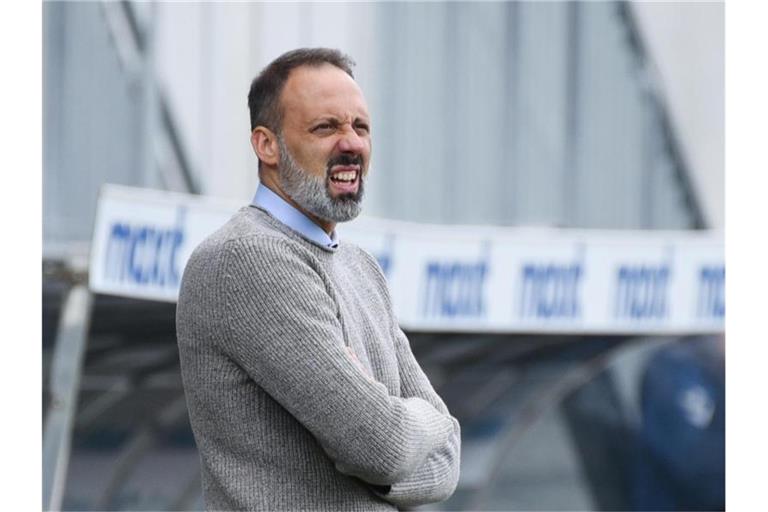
pixel 367 267
pixel 362 258
pixel 245 247
pixel 247 231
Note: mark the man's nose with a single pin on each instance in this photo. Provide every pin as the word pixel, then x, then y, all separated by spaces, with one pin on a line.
pixel 351 142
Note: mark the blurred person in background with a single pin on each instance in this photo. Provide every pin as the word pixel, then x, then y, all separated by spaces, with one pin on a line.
pixel 302 389
pixel 681 456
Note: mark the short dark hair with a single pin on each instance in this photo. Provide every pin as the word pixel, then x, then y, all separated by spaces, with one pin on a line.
pixel 264 95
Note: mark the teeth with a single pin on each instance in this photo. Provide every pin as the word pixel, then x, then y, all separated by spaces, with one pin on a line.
pixel 345 176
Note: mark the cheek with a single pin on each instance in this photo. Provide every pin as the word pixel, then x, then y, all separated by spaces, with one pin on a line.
pixel 314 160
pixel 367 157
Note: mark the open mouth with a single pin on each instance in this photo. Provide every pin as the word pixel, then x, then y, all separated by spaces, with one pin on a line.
pixel 344 179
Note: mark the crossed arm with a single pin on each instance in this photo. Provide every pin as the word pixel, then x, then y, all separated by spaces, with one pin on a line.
pixel 435 480
pixel 283 329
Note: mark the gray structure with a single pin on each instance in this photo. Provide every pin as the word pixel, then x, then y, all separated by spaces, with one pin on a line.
pixel 523 113
pixel 492 113
pixel 105 117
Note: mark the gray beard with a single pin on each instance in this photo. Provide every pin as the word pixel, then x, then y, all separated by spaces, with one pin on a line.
pixel 312 192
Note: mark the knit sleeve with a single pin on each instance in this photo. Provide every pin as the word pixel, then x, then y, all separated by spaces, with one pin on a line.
pixel 436 478
pixel 283 328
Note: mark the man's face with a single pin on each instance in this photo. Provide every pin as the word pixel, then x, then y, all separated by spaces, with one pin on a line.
pixel 325 142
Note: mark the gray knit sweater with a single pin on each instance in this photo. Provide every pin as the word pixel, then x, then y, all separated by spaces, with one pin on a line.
pixel 302 390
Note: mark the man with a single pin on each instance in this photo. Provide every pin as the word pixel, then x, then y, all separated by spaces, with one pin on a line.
pixel 302 390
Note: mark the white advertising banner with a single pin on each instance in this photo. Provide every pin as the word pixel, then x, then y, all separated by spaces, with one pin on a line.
pixel 451 278
pixel 143 238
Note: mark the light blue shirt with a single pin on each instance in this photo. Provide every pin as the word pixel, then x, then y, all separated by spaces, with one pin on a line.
pixel 283 211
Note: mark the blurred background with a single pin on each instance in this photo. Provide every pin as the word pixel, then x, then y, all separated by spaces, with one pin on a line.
pixel 557 115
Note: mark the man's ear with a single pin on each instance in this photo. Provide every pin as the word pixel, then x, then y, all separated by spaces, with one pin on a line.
pixel 264 143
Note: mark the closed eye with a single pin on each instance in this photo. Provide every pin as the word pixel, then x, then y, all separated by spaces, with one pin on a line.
pixel 322 127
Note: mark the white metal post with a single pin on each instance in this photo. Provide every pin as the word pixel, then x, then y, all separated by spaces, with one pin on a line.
pixel 66 369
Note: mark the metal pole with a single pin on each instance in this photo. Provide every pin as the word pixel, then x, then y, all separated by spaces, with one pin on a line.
pixel 570 214
pixel 511 181
pixel 151 104
pixel 66 369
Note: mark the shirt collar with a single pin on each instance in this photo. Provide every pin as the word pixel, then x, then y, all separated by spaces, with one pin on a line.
pixel 283 211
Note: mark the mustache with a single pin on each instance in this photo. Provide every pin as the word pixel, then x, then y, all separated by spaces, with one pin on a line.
pixel 344 159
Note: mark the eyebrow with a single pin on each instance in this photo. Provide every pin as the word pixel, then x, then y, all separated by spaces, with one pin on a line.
pixel 336 121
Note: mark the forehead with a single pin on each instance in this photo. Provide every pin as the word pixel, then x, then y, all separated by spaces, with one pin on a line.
pixel 325 90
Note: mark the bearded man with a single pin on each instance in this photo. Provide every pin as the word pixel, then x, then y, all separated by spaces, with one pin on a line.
pixel 302 390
